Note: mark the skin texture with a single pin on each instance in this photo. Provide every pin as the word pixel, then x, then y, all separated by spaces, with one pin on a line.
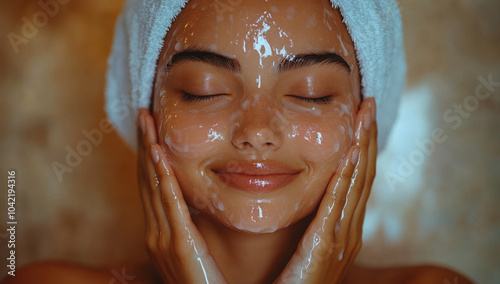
pixel 259 117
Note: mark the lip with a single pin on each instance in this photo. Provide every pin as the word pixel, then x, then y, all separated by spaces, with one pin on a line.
pixel 256 177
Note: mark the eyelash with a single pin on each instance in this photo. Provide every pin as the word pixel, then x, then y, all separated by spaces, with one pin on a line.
pixel 187 97
pixel 322 100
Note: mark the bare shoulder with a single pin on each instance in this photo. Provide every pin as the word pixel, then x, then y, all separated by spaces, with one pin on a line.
pixel 55 272
pixel 423 274
pixel 438 274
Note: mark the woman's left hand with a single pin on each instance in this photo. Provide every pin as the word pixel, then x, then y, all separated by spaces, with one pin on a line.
pixel 333 239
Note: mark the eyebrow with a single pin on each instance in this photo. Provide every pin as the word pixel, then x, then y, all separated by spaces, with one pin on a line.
pixel 205 56
pixel 287 64
pixel 309 59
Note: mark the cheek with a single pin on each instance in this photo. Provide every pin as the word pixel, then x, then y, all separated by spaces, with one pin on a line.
pixel 191 136
pixel 323 138
pixel 321 141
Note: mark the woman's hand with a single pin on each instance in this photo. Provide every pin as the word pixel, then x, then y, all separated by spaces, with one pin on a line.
pixel 333 239
pixel 174 243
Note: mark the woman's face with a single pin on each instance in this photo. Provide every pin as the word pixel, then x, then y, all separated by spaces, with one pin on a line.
pixel 255 103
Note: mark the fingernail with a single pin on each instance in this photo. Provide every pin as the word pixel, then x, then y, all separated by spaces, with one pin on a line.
pixel 142 124
pixel 368 120
pixel 355 156
pixel 154 154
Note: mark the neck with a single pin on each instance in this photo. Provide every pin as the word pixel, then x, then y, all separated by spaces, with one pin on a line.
pixel 253 258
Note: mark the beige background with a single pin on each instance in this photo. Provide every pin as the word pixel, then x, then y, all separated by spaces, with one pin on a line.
pixel 444 210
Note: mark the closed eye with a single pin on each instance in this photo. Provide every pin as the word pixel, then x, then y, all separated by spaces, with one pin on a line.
pixel 321 100
pixel 187 97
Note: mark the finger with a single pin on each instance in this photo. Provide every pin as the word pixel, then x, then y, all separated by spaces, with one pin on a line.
pixel 370 169
pixel 153 192
pixel 150 126
pixel 364 122
pixel 355 242
pixel 144 162
pixel 359 216
pixel 348 232
pixel 151 222
pixel 149 134
pixel 335 195
pixel 173 201
pixel 359 176
pixel 157 198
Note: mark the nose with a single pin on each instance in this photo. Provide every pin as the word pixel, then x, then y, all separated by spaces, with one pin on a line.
pixel 255 132
pixel 262 139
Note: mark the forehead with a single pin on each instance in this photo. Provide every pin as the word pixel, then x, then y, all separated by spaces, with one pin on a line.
pixel 268 27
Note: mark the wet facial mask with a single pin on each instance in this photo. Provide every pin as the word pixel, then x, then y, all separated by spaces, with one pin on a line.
pixel 254 110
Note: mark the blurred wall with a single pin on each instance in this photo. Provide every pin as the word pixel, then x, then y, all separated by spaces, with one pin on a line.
pixel 436 197
pixel 431 203
pixel 51 95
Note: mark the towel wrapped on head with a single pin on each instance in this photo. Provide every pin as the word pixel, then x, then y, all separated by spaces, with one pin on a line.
pixel 374 26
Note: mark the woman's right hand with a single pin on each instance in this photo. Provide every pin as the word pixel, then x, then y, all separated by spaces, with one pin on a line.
pixel 177 248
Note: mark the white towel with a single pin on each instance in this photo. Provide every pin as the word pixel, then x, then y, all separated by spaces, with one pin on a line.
pixel 374 25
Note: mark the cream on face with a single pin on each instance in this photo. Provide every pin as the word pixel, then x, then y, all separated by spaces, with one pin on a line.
pixel 254 110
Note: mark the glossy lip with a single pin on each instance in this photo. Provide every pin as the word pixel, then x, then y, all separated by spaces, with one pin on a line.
pixel 256 177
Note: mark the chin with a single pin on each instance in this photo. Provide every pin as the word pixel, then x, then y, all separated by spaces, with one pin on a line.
pixel 256 228
pixel 260 216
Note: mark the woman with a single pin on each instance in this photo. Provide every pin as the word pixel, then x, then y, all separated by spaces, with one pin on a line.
pixel 253 137
pixel 257 153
